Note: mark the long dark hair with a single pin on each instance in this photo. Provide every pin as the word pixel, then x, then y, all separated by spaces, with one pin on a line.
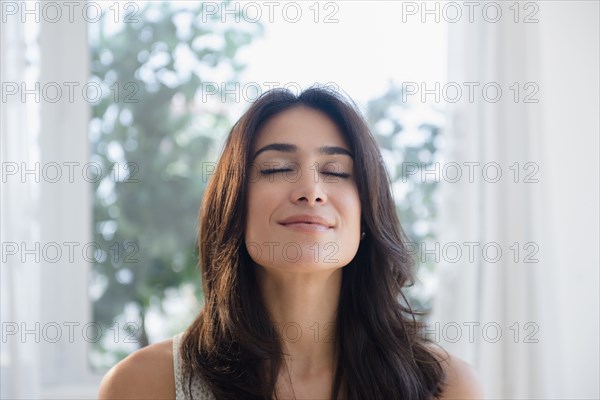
pixel 382 353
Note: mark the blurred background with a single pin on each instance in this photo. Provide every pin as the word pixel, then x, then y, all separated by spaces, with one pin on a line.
pixel 114 114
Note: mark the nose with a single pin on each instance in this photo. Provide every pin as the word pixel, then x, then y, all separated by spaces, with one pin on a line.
pixel 309 188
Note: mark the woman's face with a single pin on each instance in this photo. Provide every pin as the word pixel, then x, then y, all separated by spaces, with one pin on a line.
pixel 306 186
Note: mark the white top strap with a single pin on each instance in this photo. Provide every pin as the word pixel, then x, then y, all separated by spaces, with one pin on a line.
pixel 200 390
pixel 179 395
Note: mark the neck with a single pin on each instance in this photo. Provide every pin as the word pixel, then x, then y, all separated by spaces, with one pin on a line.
pixel 303 307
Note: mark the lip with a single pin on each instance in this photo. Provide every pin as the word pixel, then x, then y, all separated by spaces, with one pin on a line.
pixel 305 227
pixel 303 220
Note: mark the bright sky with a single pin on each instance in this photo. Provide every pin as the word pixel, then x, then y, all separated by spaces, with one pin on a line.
pixel 368 47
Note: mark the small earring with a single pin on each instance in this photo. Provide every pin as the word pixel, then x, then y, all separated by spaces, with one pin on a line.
pixel 362 235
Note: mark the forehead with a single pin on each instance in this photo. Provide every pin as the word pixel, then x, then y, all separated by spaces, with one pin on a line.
pixel 305 128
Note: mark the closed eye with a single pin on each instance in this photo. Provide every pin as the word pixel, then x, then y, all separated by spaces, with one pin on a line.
pixel 338 174
pixel 273 171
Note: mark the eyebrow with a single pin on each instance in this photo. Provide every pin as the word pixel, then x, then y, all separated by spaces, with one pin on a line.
pixel 292 148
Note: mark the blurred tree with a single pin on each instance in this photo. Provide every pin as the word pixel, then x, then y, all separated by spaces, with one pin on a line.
pixel 408 134
pixel 151 136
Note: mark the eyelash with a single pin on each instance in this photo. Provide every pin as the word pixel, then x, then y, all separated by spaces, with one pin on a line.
pixel 273 171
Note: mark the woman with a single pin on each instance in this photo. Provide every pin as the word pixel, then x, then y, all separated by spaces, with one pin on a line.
pixel 303 263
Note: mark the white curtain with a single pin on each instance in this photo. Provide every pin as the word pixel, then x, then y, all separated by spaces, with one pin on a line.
pixel 552 303
pixel 19 308
pixel 41 297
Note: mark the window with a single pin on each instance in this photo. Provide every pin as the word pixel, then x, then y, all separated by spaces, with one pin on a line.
pixel 175 81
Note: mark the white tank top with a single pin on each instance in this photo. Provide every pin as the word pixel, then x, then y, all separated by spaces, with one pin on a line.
pixel 200 390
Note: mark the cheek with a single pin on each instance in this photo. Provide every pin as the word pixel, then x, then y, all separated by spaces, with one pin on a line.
pixel 260 205
pixel 251 207
pixel 352 209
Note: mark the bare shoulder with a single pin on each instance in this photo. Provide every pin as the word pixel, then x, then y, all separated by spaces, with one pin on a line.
pixel 462 381
pixel 145 374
